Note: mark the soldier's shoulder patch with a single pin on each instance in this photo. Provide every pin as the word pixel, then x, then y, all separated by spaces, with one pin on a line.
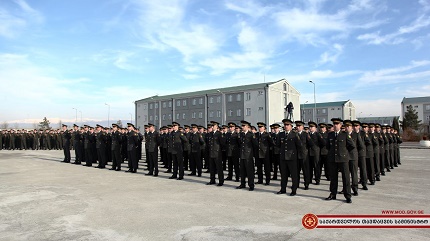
pixel 349 136
pixel 182 134
pixel 135 134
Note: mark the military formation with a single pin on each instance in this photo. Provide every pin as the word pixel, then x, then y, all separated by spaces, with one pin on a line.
pixel 361 152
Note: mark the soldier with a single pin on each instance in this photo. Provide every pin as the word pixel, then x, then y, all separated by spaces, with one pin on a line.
pixel 397 150
pixel 196 144
pixel 390 164
pixel 178 141
pixel 324 151
pixel 290 145
pixel 169 148
pixel 145 136
pixel 163 145
pixel 276 151
pixel 339 143
pixel 315 152
pixel 353 155
pixel 232 148
pixel 386 156
pixel 87 149
pixel 370 147
pixel 152 143
pixel 224 131
pixel 203 148
pixel 132 145
pixel 77 144
pixel 362 153
pixel 379 153
pixel 215 143
pixel 186 146
pixel 66 144
pixel 262 155
pixel 101 147
pixel 206 155
pixel 303 154
pixel 116 148
pixel 247 144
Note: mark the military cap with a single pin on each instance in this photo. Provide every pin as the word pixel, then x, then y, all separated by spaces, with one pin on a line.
pixel 74 125
pixel 145 126
pixel 150 124
pixel 377 125
pixel 275 125
pixel 169 126
pixel 163 127
pixel 371 125
pixel 201 127
pixel 261 124
pixel 231 124
pixel 130 124
pixel 215 123
pixel 114 125
pixel 336 120
pixel 322 125
pixel 347 123
pixel 62 125
pixel 194 126
pixel 388 126
pixel 180 128
pixel 383 127
pixel 99 126
pixel 356 123
pixel 299 123
pixel 364 125
pixel 312 124
pixel 306 128
pixel 238 127
pixel 186 126
pixel 329 125
pixel 91 128
pixel 253 128
pixel 224 126
pixel 287 121
pixel 174 123
pixel 209 125
pixel 244 122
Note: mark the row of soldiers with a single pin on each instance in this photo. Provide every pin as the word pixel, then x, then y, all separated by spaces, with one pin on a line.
pixel 31 140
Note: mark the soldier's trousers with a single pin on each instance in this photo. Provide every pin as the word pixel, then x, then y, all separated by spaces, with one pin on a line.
pixel 163 152
pixel 132 159
pixel 101 154
pixel 169 161
pixel 66 151
pixel 370 169
pixel 178 164
pixel 303 164
pixel 116 158
pixel 196 162
pixel 344 169
pixel 275 161
pixel 224 160
pixel 314 168
pixel 289 168
pixel 266 162
pixel 376 164
pixel 247 170
pixel 363 170
pixel 88 157
pixel 392 157
pixel 215 166
pixel 233 165
pixel 153 162
pixel 185 154
pixel 353 171
pixel 323 163
pixel 382 162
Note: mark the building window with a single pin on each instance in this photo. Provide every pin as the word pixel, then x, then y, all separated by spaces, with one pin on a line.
pixel 416 106
pixel 145 118
pixel 318 120
pixel 323 120
pixel 230 98
pixel 248 96
pixel 338 108
pixel 150 118
pixel 200 115
pixel 428 117
pixel 156 117
pixel 260 92
pixel 332 108
pixel 138 105
pixel 239 112
pixel 183 116
pixel 201 101
pixel 170 116
pixel 238 97
pixel 193 115
pixel 285 100
pixel 309 111
pixel 427 107
pixel 184 103
pixel 318 111
pixel 285 86
pixel 170 104
pixel 150 106
pixel 323 111
pixel 164 105
pixel 218 113
pixel 144 106
pixel 164 117
pixel 230 113
pixel 218 99
pixel 248 111
pixel 211 100
pixel 138 117
pixel 211 114
pixel 260 108
pixel 156 105
pixel 194 102
pixel 178 103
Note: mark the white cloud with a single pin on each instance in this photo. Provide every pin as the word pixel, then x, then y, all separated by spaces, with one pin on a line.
pixel 20 18
pixel 118 58
pixel 221 64
pixel 331 56
pixel 251 8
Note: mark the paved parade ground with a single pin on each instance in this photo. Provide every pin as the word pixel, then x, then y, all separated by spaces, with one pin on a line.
pixel 44 199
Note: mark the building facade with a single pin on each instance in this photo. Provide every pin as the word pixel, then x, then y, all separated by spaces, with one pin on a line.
pixel 420 105
pixel 328 110
pixel 256 102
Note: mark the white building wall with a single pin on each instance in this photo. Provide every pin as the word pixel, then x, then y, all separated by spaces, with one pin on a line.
pixel 257 105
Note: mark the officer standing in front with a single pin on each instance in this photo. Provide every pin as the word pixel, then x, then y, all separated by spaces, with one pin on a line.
pixel 247 144
pixel 132 145
pixel 66 144
pixel 215 143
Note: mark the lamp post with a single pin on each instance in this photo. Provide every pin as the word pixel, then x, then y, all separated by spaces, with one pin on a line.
pixel 108 112
pixel 131 118
pixel 315 102
pixel 81 117
pixel 76 114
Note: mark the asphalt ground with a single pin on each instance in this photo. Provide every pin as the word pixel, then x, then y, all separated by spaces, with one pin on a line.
pixel 44 199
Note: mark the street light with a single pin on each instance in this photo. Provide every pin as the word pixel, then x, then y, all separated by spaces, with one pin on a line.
pixel 315 101
pixel 76 114
pixel 108 113
pixel 131 118
pixel 81 117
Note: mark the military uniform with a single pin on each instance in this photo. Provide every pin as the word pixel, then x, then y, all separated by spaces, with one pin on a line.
pixel 132 146
pixel 232 151
pixel 263 154
pixel 314 153
pixel 66 145
pixel 215 143
pixel 152 143
pixel 178 141
pixel 247 144
pixel 116 139
pixel 196 142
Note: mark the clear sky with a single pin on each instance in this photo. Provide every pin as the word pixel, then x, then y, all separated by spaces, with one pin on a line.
pixel 59 55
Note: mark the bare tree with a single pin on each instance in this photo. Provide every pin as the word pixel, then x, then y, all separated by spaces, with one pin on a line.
pixel 4 125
